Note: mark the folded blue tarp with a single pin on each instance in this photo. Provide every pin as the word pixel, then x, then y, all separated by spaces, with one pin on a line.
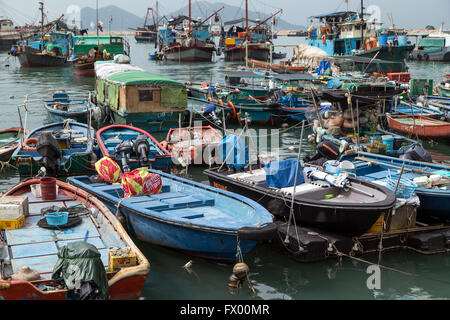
pixel 281 174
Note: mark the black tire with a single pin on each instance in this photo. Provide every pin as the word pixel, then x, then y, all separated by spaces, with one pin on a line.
pixel 265 233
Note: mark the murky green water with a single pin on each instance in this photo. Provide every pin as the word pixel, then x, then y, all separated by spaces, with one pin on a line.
pixel 275 275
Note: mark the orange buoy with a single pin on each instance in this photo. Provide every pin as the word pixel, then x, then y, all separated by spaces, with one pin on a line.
pixel 26 144
pixel 230 104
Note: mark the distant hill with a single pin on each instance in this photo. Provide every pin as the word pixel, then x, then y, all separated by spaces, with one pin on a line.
pixel 123 20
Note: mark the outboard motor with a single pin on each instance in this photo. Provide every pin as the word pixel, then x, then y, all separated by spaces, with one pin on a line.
pixel 124 148
pixel 141 148
pixel 50 151
pixel 326 150
pixel 418 153
pixel 210 113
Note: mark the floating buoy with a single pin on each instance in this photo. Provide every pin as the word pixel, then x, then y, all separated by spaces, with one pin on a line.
pixel 240 270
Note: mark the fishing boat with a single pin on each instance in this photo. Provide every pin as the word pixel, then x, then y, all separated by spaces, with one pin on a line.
pixel 126 94
pixel 432 179
pixel 147 33
pixel 10 141
pixel 63 106
pixel 49 49
pixel 36 247
pixel 419 125
pixel 194 44
pixel 347 35
pixel 89 49
pixel 345 211
pixel 188 216
pixel 111 137
pixel 242 43
pixel 194 145
pixel 63 149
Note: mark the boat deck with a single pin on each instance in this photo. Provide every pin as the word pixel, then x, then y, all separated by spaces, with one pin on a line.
pixel 37 247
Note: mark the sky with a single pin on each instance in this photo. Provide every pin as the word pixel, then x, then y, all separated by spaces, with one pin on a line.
pixel 409 14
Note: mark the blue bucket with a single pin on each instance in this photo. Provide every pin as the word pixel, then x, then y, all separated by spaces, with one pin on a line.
pixel 406 187
pixel 57 218
pixel 389 141
pixel 402 40
pixel 383 40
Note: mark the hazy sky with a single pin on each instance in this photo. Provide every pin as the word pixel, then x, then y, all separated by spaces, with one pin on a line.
pixel 406 13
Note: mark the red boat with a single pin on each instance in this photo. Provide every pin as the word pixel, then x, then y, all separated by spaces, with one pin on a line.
pixel 195 145
pixel 111 136
pixel 420 125
pixel 37 247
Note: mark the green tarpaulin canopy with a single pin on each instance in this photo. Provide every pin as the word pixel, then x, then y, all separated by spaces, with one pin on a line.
pixel 133 78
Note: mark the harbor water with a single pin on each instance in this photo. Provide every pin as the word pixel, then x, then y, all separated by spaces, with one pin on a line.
pixel 274 275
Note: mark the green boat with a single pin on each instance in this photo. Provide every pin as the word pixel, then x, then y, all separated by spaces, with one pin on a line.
pixel 63 149
pixel 126 94
pixel 444 87
pixel 106 48
pixel 9 141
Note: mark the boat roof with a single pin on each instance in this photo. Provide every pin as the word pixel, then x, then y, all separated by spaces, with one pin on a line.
pixel 334 14
pixel 92 39
pixel 136 77
pixel 242 74
pixel 105 69
pixel 293 76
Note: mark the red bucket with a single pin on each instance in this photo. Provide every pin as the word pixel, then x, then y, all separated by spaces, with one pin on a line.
pixel 48 188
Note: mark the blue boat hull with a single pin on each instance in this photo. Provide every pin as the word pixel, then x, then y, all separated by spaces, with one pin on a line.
pixel 186 216
pixel 80 117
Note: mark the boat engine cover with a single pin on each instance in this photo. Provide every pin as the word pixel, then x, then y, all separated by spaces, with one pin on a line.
pixel 50 151
pixel 417 153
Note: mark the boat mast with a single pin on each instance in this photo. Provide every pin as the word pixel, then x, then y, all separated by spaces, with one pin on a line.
pixel 189 17
pixel 246 18
pixel 362 24
pixel 98 41
pixel 41 7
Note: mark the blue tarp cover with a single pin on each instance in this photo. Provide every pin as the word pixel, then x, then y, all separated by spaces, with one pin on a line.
pixel 281 174
pixel 237 156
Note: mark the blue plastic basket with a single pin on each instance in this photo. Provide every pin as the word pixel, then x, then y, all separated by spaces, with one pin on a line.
pixel 57 218
pixel 406 187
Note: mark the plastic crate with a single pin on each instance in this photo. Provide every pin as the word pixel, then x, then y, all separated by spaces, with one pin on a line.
pixel 117 262
pixel 10 224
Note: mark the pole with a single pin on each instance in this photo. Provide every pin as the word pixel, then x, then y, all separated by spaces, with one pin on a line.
pixel 189 16
pixel 362 23
pixel 42 17
pixel 248 143
pixel 98 41
pixel 246 18
pixel 295 183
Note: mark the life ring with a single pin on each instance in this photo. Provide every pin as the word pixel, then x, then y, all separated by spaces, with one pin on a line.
pixel 230 104
pixel 29 141
pixel 324 38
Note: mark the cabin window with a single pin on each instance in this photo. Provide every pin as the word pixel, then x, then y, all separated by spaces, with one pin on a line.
pixel 106 93
pixel 146 95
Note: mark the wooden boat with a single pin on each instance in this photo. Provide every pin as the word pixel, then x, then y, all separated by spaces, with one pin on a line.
pixel 193 146
pixel 10 141
pixel 65 148
pixel 347 212
pixel 434 201
pixel 417 110
pixel 128 95
pixel 37 247
pixel 282 67
pixel 63 106
pixel 111 136
pixel 188 216
pixel 422 126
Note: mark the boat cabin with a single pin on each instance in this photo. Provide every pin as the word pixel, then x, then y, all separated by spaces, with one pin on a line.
pixel 128 89
pixel 111 43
